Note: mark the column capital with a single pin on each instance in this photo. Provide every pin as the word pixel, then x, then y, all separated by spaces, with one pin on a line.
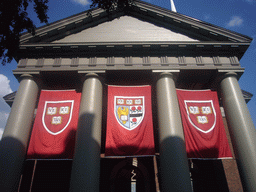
pixel 90 75
pixel 34 77
pixel 229 74
pixel 86 76
pixel 172 75
pixel 223 75
pixel 26 75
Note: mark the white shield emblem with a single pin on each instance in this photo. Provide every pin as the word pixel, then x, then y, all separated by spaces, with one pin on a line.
pixel 129 111
pixel 201 114
pixel 57 116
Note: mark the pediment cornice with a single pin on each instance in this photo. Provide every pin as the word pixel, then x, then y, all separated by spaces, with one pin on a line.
pixel 142 10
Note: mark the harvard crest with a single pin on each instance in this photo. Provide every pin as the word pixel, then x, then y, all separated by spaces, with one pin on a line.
pixel 129 111
pixel 57 115
pixel 201 114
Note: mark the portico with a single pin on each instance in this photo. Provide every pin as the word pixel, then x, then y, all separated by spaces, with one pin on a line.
pixel 74 56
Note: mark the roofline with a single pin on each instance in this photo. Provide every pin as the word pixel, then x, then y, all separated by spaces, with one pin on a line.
pixel 168 47
pixel 150 10
pixel 191 20
pixel 137 43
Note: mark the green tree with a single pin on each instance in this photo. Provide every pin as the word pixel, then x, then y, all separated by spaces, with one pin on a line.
pixel 14 20
pixel 112 5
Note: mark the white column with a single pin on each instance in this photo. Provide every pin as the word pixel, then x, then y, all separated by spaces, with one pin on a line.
pixel 242 130
pixel 15 139
pixel 85 174
pixel 174 170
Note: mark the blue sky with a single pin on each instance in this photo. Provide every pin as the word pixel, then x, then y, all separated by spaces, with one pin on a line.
pixel 235 15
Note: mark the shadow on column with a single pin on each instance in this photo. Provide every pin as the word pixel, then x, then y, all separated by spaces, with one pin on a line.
pixel 207 174
pixel 55 175
pixel 12 155
pixel 174 160
pixel 86 164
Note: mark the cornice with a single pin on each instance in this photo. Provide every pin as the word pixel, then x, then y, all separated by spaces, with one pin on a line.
pixel 146 11
pixel 131 48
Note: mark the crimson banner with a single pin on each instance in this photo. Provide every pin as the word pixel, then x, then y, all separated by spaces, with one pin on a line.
pixel 204 130
pixel 54 130
pixel 129 121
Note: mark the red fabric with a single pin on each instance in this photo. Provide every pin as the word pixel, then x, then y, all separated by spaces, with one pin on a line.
pixel 204 130
pixel 54 130
pixel 129 121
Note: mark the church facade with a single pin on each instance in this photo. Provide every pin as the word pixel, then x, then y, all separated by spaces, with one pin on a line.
pixel 143 45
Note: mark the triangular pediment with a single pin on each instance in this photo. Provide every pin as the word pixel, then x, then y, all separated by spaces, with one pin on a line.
pixel 126 29
pixel 143 22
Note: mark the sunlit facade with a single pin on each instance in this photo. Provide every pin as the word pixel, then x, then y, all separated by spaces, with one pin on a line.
pixel 144 45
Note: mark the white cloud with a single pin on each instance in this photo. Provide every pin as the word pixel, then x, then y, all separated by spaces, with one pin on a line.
pixel 4 114
pixel 235 21
pixel 82 2
pixel 4 86
pixel 1 133
pixel 4 108
pixel 207 17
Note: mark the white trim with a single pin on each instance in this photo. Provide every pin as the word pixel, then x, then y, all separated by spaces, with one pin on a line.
pixel 143 113
pixel 70 116
pixel 201 101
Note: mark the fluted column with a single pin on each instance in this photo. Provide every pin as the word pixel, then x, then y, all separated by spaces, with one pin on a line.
pixel 85 174
pixel 16 134
pixel 174 170
pixel 242 130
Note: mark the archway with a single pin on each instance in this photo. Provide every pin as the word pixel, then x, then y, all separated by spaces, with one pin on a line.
pixel 130 175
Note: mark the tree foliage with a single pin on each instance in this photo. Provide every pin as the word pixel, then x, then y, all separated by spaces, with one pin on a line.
pixel 112 5
pixel 14 20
